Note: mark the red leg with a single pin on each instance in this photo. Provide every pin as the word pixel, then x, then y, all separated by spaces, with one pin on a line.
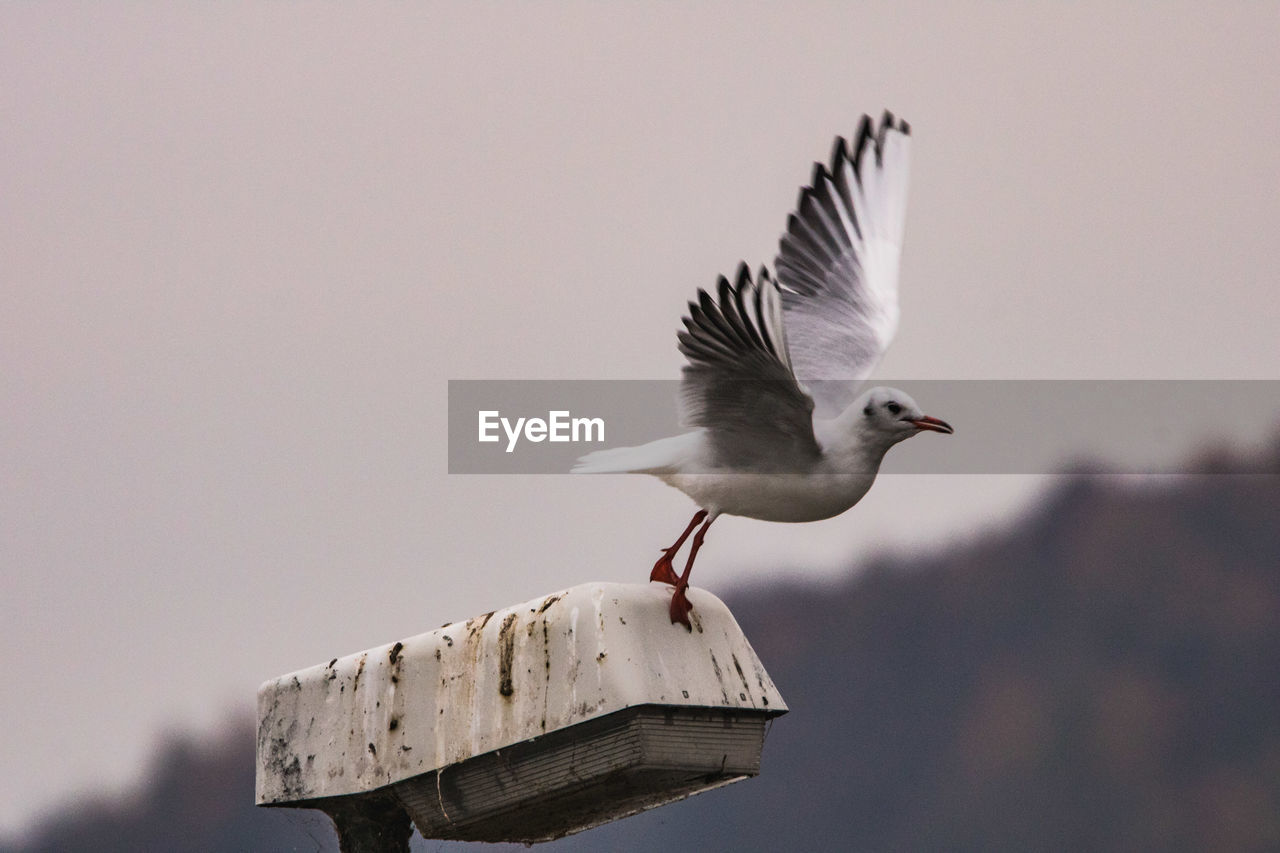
pixel 662 570
pixel 680 605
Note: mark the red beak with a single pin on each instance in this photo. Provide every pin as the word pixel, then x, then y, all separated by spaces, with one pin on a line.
pixel 933 424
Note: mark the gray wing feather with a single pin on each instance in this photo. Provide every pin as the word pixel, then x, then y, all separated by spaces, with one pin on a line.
pixel 838 263
pixel 738 385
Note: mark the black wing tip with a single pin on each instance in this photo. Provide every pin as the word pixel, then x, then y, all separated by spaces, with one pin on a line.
pixel 818 175
pixel 843 152
pixel 865 129
pixel 728 317
pixel 869 135
pixel 726 287
pixel 839 154
pixel 889 122
pixel 807 192
pixel 707 306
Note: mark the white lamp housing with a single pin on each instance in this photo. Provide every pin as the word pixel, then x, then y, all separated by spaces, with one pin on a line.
pixel 529 723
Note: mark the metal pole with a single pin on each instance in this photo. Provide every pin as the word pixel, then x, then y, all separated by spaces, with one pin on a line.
pixel 371 825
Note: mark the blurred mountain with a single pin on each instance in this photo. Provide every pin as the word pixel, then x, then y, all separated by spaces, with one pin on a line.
pixel 1103 675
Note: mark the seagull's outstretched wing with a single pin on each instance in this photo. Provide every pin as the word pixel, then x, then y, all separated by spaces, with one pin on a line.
pixel 838 263
pixel 738 385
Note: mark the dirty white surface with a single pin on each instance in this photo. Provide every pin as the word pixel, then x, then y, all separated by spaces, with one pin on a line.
pixel 381 716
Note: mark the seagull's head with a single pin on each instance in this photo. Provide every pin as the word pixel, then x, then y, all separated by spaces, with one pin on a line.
pixel 892 415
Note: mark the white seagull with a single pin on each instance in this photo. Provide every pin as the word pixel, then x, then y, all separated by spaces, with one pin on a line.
pixel 769 394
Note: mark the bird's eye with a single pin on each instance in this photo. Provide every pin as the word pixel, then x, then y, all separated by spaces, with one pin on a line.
pixel 867 411
pixel 893 407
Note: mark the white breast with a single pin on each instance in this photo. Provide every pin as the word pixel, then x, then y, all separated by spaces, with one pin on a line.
pixel 774 497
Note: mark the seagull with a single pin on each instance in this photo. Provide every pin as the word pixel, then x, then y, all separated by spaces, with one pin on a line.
pixel 769 396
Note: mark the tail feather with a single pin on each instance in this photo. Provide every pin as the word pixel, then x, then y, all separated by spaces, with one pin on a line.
pixel 663 456
pixel 615 460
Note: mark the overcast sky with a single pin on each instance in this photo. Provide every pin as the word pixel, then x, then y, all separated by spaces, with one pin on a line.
pixel 243 248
